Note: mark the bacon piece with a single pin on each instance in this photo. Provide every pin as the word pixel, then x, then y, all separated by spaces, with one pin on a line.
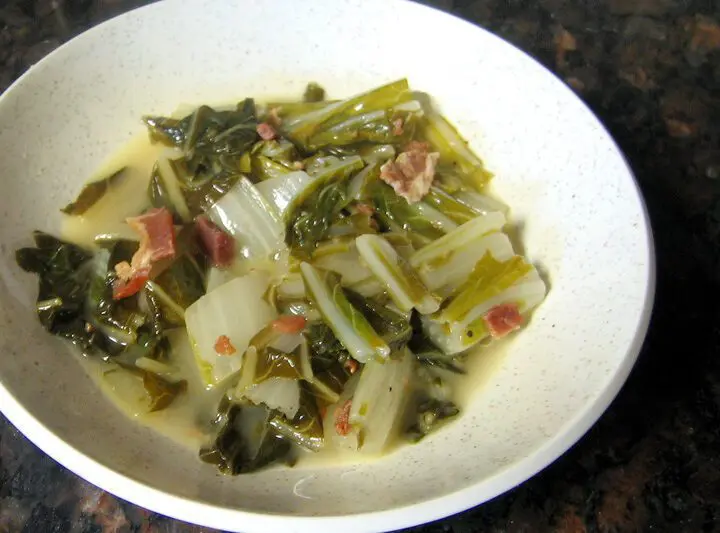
pixel 223 346
pixel 132 284
pixel 157 241
pixel 157 235
pixel 351 365
pixel 289 324
pixel 412 173
pixel 398 127
pixel 342 418
pixel 218 245
pixel 503 319
pixel 266 131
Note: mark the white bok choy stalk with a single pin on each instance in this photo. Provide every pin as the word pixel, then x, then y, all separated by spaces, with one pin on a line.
pixel 461 322
pixel 271 374
pixel 337 431
pixel 236 311
pixel 447 262
pixel 283 190
pixel 380 398
pixel 349 325
pixel 253 221
pixel 402 283
pixel 341 256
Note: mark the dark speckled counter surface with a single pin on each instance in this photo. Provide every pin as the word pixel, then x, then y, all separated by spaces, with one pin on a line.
pixel 650 69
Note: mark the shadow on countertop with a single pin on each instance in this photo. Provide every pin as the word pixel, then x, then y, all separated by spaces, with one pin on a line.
pixel 650 69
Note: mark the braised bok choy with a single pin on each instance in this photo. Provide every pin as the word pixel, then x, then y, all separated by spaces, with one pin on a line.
pixel 330 267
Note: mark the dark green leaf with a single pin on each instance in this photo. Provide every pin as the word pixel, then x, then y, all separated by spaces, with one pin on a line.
pixel 92 192
pixel 213 145
pixel 395 213
pixel 162 393
pixel 117 321
pixel 63 270
pixel 326 350
pixel 311 223
pixel 245 441
pixel 200 196
pixel 305 429
pixel 392 326
pixel 429 415
pixel 430 355
pixel 314 93
pixel 177 287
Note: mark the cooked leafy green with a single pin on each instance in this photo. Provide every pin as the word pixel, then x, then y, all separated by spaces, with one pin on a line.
pixel 164 190
pixel 428 354
pixel 311 213
pixel 177 288
pixel 302 128
pixel 394 327
pixel 305 429
pixel 349 325
pixel 430 414
pixel 162 393
pixel 92 192
pixel 311 222
pixel 64 271
pixel 325 349
pixel 454 150
pixel 245 441
pixel 314 93
pixel 396 214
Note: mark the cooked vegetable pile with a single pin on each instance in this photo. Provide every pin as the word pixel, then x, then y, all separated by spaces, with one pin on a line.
pixel 333 264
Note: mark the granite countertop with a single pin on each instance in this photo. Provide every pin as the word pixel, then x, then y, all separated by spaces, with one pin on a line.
pixel 650 69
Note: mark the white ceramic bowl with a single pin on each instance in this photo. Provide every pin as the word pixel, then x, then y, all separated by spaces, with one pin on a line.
pixel 582 219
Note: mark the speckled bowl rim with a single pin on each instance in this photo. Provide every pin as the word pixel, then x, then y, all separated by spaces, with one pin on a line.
pixel 405 516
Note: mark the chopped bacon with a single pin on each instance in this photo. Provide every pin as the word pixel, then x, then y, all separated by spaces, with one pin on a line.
pixel 398 127
pixel 503 319
pixel 217 244
pixel 266 131
pixel 131 283
pixel 365 209
pixel 157 235
pixel 351 365
pixel 342 418
pixel 223 346
pixel 289 324
pixel 157 241
pixel 412 173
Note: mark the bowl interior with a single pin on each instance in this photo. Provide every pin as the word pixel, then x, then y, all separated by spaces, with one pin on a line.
pixel 572 197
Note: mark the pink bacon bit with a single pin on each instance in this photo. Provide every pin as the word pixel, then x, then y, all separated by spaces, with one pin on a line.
pixel 157 241
pixel 503 319
pixel 412 172
pixel 223 346
pixel 342 418
pixel 217 244
pixel 266 131
pixel 289 324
